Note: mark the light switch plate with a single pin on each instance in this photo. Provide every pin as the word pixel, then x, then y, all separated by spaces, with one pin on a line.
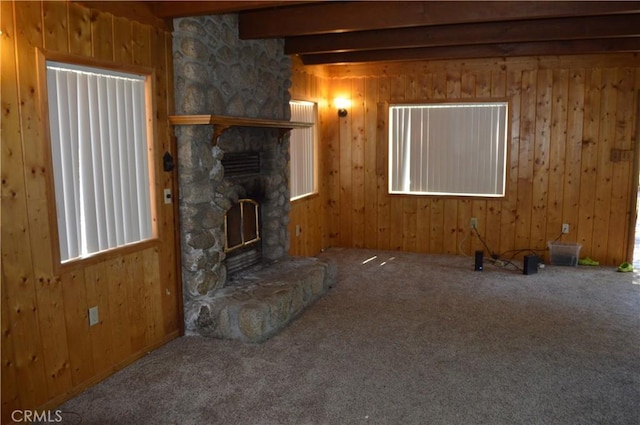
pixel 93 316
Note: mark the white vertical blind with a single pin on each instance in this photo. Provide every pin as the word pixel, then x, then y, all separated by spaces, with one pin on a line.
pixel 302 150
pixel 100 158
pixel 448 149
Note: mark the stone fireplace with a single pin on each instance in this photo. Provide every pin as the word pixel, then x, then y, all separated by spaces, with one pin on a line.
pixel 229 223
pixel 234 194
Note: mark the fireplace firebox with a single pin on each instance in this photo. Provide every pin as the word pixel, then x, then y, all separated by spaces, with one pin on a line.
pixel 242 235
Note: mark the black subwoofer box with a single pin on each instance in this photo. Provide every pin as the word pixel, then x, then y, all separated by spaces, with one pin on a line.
pixel 530 264
pixel 478 266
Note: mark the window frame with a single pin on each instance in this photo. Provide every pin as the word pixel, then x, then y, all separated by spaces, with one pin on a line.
pixel 508 146
pixel 315 151
pixel 59 266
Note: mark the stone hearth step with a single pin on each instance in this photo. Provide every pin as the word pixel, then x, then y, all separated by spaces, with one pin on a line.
pixel 261 301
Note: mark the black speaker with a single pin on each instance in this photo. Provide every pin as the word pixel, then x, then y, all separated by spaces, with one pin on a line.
pixel 530 264
pixel 479 255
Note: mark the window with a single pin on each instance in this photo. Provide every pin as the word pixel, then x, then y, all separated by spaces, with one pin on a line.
pixel 456 149
pixel 100 150
pixel 303 150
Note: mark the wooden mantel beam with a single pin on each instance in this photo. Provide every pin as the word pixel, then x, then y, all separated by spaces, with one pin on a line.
pixel 222 123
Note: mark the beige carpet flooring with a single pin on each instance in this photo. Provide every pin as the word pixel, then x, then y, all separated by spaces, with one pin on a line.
pixel 406 339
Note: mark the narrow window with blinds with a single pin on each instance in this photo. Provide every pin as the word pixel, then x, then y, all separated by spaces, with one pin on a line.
pixel 100 156
pixel 302 144
pixel 448 149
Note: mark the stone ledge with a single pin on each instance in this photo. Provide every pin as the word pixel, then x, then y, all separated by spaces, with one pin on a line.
pixel 263 300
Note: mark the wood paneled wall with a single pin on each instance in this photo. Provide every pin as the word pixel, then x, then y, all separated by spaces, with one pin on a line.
pixel 49 352
pixel 310 213
pixel 566 115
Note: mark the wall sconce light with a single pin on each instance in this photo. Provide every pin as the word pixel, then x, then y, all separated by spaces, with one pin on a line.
pixel 342 104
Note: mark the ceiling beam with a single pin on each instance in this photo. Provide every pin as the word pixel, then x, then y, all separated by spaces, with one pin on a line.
pixel 177 9
pixel 568 47
pixel 140 11
pixel 459 34
pixel 327 17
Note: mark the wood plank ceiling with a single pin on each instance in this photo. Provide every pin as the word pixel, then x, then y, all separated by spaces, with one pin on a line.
pixel 363 31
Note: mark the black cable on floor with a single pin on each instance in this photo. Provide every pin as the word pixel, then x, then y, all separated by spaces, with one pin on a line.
pixel 497 257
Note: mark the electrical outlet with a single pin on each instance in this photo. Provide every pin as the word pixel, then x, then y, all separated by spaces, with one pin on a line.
pixel 93 316
pixel 298 230
pixel 565 228
pixel 473 223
